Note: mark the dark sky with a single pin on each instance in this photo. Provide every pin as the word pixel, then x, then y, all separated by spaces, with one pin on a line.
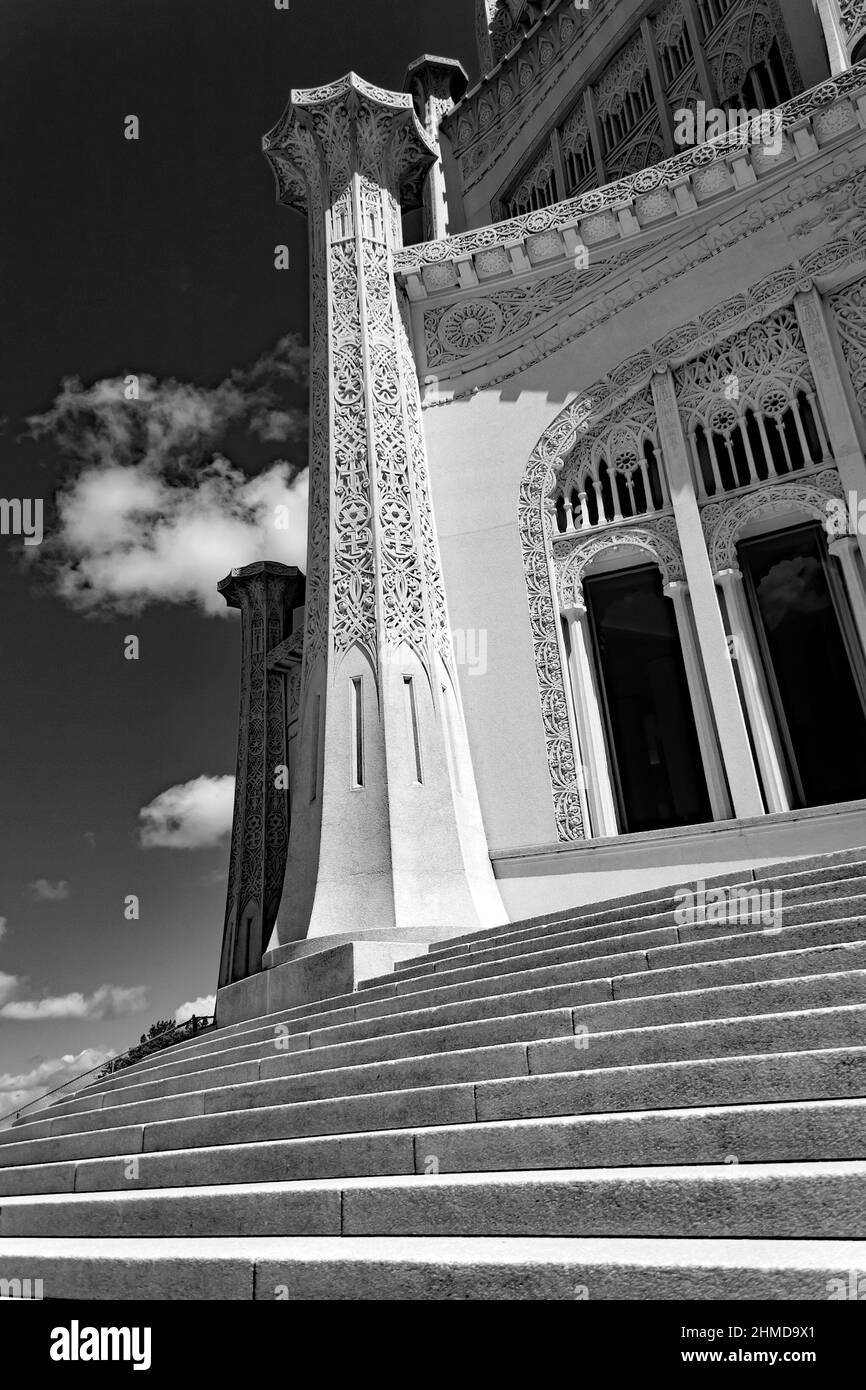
pixel 154 257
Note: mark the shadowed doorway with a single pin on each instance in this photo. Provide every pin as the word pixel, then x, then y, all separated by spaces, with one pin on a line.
pixel 812 661
pixel 652 740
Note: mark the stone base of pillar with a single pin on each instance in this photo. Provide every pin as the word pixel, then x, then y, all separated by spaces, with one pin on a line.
pixel 308 971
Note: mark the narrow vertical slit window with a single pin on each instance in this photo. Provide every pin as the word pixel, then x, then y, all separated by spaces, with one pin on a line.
pixel 314 769
pixel 357 732
pixel 412 717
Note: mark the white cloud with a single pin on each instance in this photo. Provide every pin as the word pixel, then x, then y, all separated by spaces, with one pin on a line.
pixel 109 1001
pixel 152 511
pixel 193 815
pixel 45 892
pixel 20 1090
pixel 3 921
pixel 9 985
pixel 204 1005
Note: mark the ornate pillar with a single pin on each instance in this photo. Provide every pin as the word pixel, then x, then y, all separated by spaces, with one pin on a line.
pixel 590 728
pixel 266 594
pixel 845 550
pixel 720 801
pixel 436 85
pixel 727 710
pixel 768 744
pixel 382 838
pixel 835 36
pixel 832 396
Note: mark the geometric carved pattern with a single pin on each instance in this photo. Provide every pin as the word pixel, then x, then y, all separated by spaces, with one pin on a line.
pixel 724 521
pixel 661 544
pixel 853 14
pixel 369 487
pixel 849 308
pixel 582 418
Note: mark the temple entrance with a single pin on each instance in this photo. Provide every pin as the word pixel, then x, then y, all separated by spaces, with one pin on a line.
pixel 652 741
pixel 812 662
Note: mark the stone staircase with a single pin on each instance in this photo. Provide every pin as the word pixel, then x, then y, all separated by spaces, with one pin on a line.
pixel 599 1104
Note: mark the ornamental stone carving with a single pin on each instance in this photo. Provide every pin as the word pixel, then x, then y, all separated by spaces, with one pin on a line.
pixel 723 522
pixel 378 681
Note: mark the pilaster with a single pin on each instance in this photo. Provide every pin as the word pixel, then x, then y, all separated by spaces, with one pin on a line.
pixel 730 723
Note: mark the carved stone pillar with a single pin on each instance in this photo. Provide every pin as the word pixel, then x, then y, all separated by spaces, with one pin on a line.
pixel 382 839
pixel 835 36
pixel 730 723
pixel 590 727
pixel 765 732
pixel 720 801
pixel 832 396
pixel 436 85
pixel 845 550
pixel 266 594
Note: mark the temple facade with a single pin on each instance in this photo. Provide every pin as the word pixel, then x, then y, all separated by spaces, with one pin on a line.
pixel 585 602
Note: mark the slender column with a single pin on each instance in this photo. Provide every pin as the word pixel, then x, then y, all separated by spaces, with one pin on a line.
pixel 727 710
pixel 595 135
pixel 436 85
pixel 705 75
pixel 658 85
pixel 381 838
pixel 832 396
pixel 266 594
pixel 768 745
pixel 720 801
pixel 845 550
pixel 834 35
pixel 602 803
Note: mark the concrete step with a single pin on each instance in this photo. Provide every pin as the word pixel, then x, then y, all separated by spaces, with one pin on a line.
pixel 228 1116
pixel 250 1147
pixel 436 1268
pixel 640 935
pixel 643 984
pixel 789 874
pixel 770 1201
pixel 496 1019
pixel 404 1060
pixel 793 902
pixel 662 948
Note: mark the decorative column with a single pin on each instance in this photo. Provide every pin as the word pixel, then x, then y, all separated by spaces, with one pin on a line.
pixel 436 85
pixel 266 594
pixel 731 726
pixel 768 744
pixel 835 36
pixel 832 396
pixel 720 801
pixel 666 124
pixel 386 833
pixel 704 71
pixel 590 728
pixel 845 550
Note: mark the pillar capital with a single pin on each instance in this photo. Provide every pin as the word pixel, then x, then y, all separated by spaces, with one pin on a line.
pixel 348 130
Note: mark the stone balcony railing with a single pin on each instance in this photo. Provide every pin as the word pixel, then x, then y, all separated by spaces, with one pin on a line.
pixel 554 237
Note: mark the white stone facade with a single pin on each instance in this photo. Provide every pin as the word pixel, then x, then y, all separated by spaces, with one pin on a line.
pixel 651 371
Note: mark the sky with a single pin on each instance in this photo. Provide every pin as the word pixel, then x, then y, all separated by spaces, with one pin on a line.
pixel 152 395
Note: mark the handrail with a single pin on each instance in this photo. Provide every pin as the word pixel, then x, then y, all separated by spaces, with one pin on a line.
pixel 197 1023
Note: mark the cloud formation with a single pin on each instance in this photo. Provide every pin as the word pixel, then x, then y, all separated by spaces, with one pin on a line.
pixel 21 1089
pixel 192 815
pixel 152 511
pixel 45 892
pixel 109 1001
pixel 202 1006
